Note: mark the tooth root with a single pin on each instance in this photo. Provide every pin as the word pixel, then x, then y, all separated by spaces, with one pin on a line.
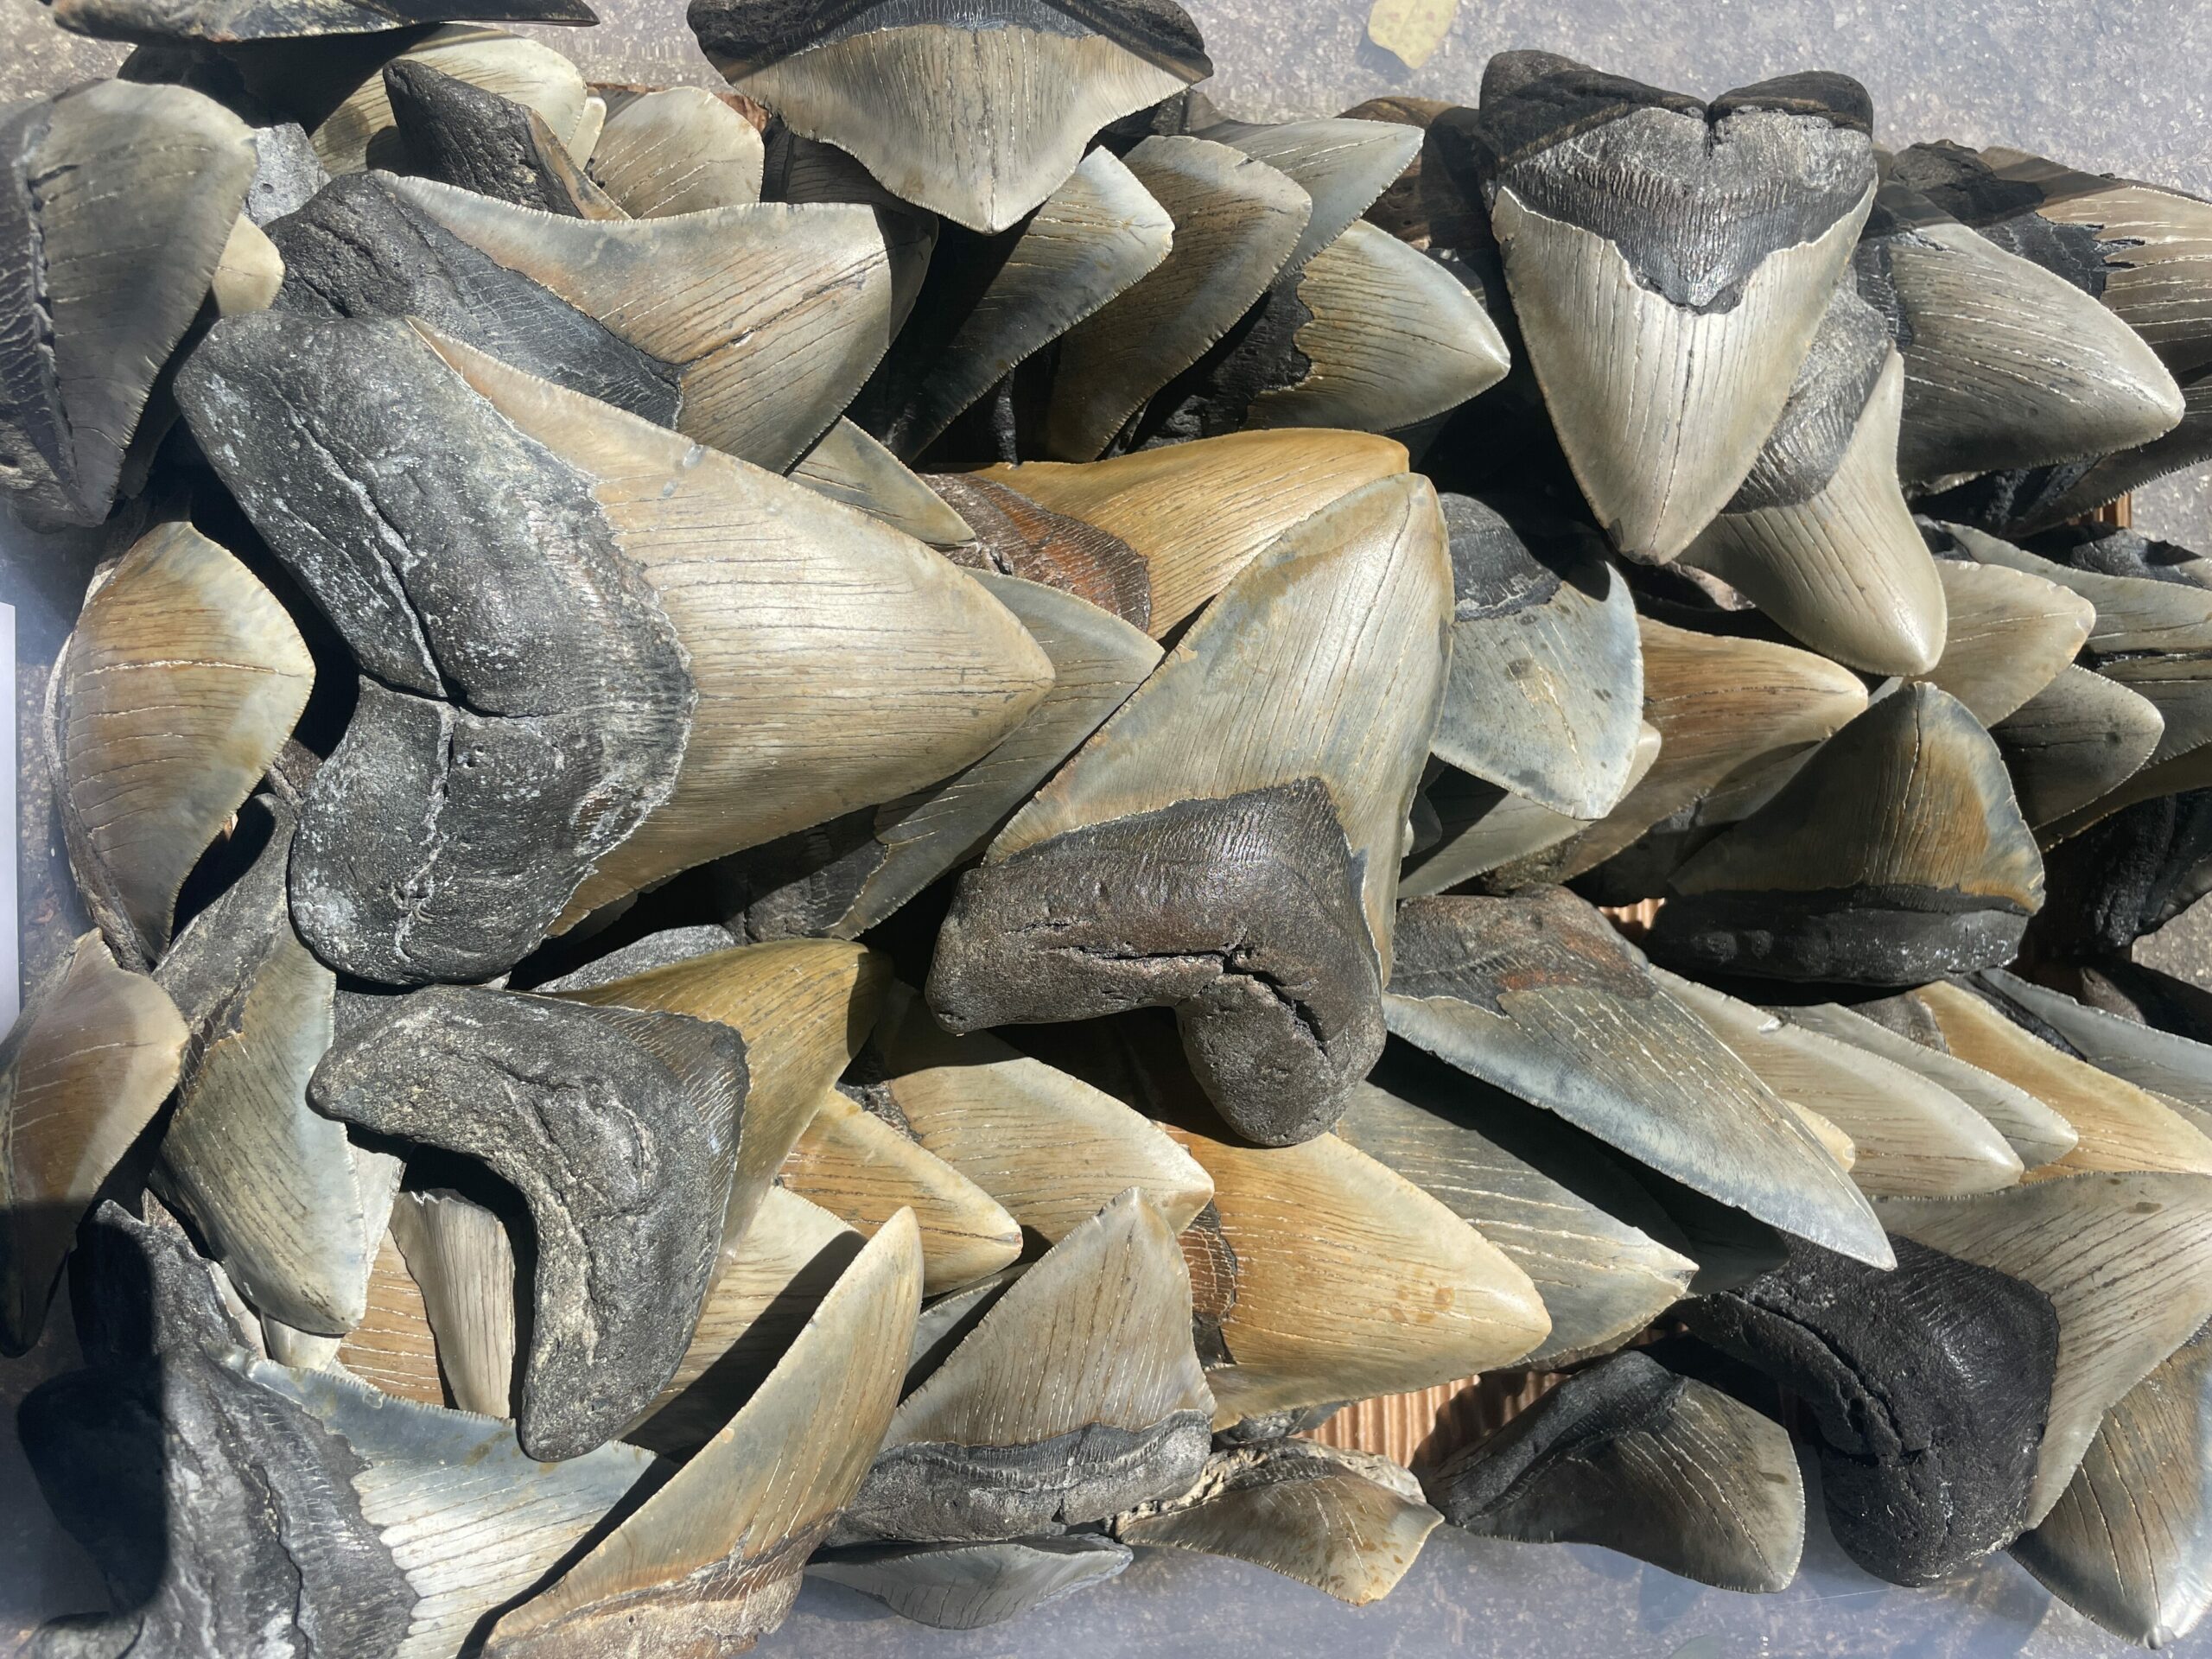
pixel 360 132
pixel 462 135
pixel 680 150
pixel 969 1586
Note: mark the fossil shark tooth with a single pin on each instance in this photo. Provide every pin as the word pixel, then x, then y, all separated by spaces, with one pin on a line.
pixel 1914 1138
pixel 1669 263
pixel 1920 863
pixel 393 1349
pixel 2012 633
pixel 1301 1260
pixel 679 150
pixel 978 116
pixel 1602 1278
pixel 863 1170
pixel 847 465
pixel 1927 1387
pixel 712 1559
pixel 1188 516
pixel 1342 164
pixel 360 132
pixel 1018 537
pixel 82 1072
pixel 968 1587
pixel 1547 677
pixel 2074 742
pixel 1077 1396
pixel 2162 1062
pixel 1267 741
pixel 224 22
pixel 2135 614
pixel 1347 1523
pixel 993 303
pixel 92 305
pixel 458 1253
pixel 462 135
pixel 1629 1456
pixel 1236 223
pixel 249 272
pixel 2126 1545
pixel 1537 995
pixel 181 681
pixel 1819 535
pixel 620 1129
pixel 2123 1259
pixel 2117 1126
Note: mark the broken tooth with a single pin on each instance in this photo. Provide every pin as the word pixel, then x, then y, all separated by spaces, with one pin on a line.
pixel 457 1254
pixel 360 132
pixel 462 135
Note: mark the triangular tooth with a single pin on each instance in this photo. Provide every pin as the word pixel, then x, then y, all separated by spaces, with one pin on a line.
pixel 2126 1261
pixel 249 272
pixel 679 150
pixel 462 135
pixel 968 1586
pixel 2161 1062
pixel 2129 1544
pixel 2134 614
pixel 1927 1388
pixel 1538 996
pixel 2073 744
pixel 2117 1125
pixel 82 1072
pixel 1343 165
pixel 1401 209
pixel 291 1208
pixel 360 132
pixel 712 1559
pixel 468 1517
pixel 222 22
pixel 996 302
pixel 1666 352
pixel 182 679
pixel 1819 535
pixel 1914 1138
pixel 90 310
pixel 1602 1279
pixel 1328 650
pixel 628 1208
pixel 2011 634
pixel 847 465
pixel 978 117
pixel 1340 1521
pixel 863 1170
pixel 1077 1396
pixel 459 1256
pixel 1895 854
pixel 1188 516
pixel 1547 677
pixel 393 1348
pixel 1663 1468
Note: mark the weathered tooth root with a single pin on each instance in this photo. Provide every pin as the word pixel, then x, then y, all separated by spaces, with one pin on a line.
pixel 222 22
pixel 360 132
pixel 462 135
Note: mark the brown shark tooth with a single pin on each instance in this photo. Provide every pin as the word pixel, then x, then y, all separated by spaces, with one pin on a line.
pixel 1189 516
pixel 968 1587
pixel 847 465
pixel 712 1559
pixel 2011 634
pixel 460 134
pixel 360 130
pixel 1076 1396
pixel 979 116
pixel 1538 996
pixel 393 1349
pixel 679 150
pixel 1350 1523
pixel 1017 537
pixel 2074 743
pixel 91 304
pixel 1326 653
pixel 458 1256
pixel 82 1072
pixel 181 681
pixel 627 1208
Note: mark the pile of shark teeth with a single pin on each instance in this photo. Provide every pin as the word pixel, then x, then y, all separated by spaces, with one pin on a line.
pixel 857 828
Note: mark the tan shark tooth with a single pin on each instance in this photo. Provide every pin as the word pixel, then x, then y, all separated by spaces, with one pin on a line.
pixel 798 294
pixel 1602 1279
pixel 1193 515
pixel 1342 164
pixel 1237 221
pixel 2117 1125
pixel 469 1518
pixel 392 1349
pixel 1659 1467
pixel 82 1072
pixel 2163 1062
pixel 1297 1266
pixel 2074 743
pixel 462 135
pixel 1323 654
pixel 2037 1135
pixel 1838 1145
pixel 1097 235
pixel 863 1172
pixel 679 150
pixel 91 303
pixel 2011 634
pixel 712 1559
pixel 1819 535
pixel 847 465
pixel 1537 995
pixel 968 1586
pixel 250 271
pixel 2123 1258
pixel 1350 1523
pixel 2129 1544
pixel 458 1254
pixel 1076 1396
pixel 1914 1138
pixel 1049 1147
pixel 181 681
pixel 979 116
pixel 360 132
pixel 1921 862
